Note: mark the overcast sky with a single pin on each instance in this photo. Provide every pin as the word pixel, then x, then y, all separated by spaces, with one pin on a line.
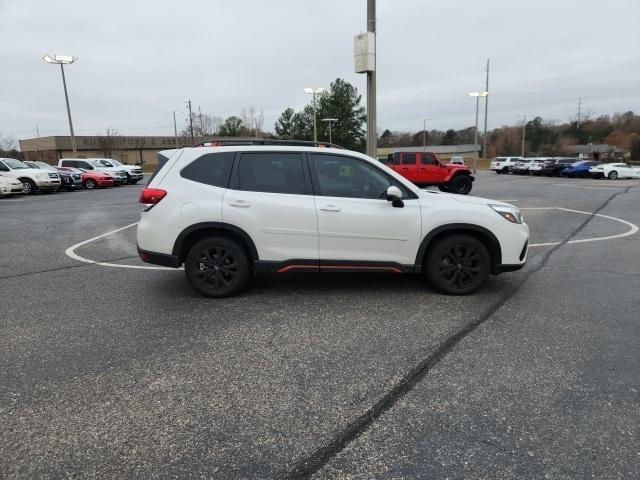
pixel 139 60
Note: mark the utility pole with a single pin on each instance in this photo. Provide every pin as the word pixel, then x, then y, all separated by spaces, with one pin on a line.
pixel 486 114
pixel 475 136
pixel 175 128
pixel 37 131
pixel 190 122
pixel 424 133
pixel 579 119
pixel 524 134
pixel 372 129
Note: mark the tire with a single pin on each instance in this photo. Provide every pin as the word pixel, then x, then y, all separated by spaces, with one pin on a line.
pixel 128 179
pixel 90 184
pixel 133 182
pixel 461 185
pixel 612 175
pixel 499 172
pixel 217 267
pixel 457 265
pixel 28 186
pixel 443 188
pixel 505 171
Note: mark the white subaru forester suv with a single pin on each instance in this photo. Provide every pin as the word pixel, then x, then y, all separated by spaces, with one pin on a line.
pixel 228 212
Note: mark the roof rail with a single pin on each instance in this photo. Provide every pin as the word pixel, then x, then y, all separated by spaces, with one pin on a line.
pixel 236 141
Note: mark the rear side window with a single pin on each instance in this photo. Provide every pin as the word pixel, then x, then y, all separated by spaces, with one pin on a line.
pixel 69 163
pixel 211 169
pixel 427 159
pixel 409 159
pixel 272 173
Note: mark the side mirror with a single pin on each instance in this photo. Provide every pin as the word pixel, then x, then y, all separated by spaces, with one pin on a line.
pixel 394 195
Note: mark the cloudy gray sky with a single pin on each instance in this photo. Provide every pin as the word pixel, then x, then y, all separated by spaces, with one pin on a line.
pixel 138 60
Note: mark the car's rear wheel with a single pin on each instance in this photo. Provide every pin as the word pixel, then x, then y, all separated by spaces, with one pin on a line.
pixel 612 175
pixel 217 267
pixel 505 170
pixel 90 184
pixel 499 172
pixel 461 185
pixel 458 264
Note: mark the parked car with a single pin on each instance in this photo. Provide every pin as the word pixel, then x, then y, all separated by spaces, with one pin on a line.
pixel 133 172
pixel 90 164
pixel 424 170
pixel 536 167
pixel 553 167
pixel 9 186
pixel 91 179
pixel 32 179
pixel 67 180
pixel 300 207
pixel 521 167
pixel 456 161
pixel 503 164
pixel 613 171
pixel 579 169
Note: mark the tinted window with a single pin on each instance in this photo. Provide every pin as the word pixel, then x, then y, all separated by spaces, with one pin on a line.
pixel 3 167
pixel 271 172
pixel 427 159
pixel 409 159
pixel 211 169
pixel 340 176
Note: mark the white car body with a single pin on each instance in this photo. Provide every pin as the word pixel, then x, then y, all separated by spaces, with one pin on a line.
pixel 118 174
pixel 322 230
pixel 134 172
pixel 503 164
pixel 615 170
pixel 456 161
pixel 9 186
pixel 536 166
pixel 32 179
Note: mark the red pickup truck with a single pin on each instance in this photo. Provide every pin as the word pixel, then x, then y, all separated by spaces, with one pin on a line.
pixel 424 169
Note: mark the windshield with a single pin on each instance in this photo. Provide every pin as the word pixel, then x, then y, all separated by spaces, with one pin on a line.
pixel 115 162
pixel 45 166
pixel 104 163
pixel 15 164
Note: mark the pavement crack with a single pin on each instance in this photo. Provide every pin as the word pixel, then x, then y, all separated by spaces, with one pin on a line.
pixel 67 267
pixel 317 459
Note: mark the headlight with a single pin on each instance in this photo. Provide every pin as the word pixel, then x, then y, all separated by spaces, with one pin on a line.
pixel 511 214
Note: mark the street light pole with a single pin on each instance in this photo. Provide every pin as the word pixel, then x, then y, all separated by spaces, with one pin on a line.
pixel 477 96
pixel 330 121
pixel 372 129
pixel 175 128
pixel 314 91
pixel 524 134
pixel 63 60
pixel 486 114
pixel 424 133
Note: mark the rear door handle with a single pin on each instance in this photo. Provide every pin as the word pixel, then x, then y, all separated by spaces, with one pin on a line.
pixel 239 203
pixel 330 208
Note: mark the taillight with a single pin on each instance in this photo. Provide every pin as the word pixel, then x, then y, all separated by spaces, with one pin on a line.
pixel 152 196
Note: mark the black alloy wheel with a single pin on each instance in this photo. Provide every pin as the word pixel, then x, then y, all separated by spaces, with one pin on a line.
pixel 458 265
pixel 461 185
pixel 217 267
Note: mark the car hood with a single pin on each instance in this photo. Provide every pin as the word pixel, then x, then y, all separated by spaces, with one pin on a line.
pixel 468 199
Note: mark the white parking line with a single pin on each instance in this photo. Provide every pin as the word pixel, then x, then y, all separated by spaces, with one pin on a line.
pixel 586 186
pixel 70 252
pixel 633 228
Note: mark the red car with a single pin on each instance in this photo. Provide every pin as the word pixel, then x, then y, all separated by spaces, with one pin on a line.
pixel 91 179
pixel 424 169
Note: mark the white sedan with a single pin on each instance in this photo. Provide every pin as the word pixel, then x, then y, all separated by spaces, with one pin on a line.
pixel 615 170
pixel 10 186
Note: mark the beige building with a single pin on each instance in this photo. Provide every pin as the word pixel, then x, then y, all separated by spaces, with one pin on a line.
pixel 131 150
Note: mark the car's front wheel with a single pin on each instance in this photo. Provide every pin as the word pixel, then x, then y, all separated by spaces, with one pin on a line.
pixel 28 186
pixel 461 185
pixel 90 184
pixel 612 175
pixel 457 264
pixel 217 267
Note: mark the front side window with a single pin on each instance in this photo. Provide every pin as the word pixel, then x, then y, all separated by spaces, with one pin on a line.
pixel 211 169
pixel 427 159
pixel 340 176
pixel 3 167
pixel 409 159
pixel 271 173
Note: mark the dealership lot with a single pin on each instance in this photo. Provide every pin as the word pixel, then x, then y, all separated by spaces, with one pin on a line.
pixel 120 370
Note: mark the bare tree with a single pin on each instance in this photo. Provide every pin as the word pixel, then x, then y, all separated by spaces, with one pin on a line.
pixel 106 142
pixel 8 142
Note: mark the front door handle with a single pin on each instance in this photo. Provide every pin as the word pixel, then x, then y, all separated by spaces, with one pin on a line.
pixel 239 203
pixel 330 208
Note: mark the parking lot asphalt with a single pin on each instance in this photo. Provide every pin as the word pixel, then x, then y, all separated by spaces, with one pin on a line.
pixel 116 372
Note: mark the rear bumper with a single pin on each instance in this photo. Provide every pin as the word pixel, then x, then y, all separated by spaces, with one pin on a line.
pixel 159 258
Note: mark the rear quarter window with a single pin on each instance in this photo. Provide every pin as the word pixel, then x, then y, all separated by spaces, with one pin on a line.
pixel 211 169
